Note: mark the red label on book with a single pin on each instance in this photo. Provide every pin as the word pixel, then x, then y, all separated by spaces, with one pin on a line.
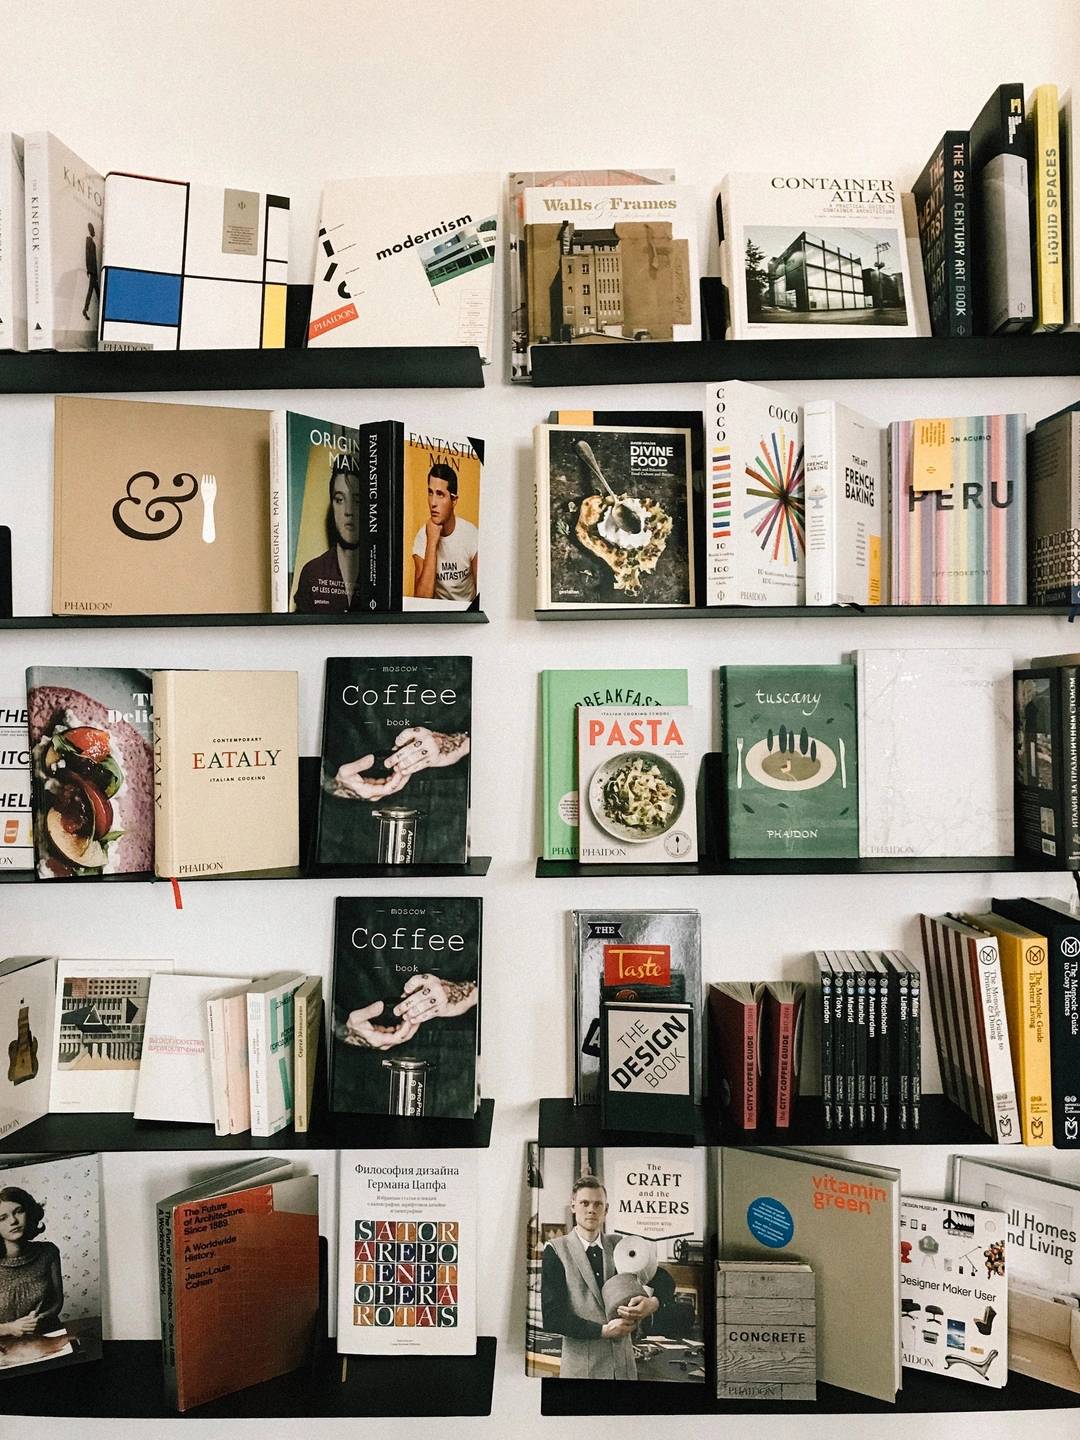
pixel 637 964
pixel 341 316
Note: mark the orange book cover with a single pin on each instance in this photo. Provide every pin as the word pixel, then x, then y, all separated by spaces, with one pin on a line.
pixel 246 1287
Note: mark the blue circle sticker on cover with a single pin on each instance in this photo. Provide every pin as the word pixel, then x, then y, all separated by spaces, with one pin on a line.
pixel 770 1222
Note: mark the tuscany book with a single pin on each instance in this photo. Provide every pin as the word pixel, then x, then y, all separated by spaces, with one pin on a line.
pixel 64 204
pixel 406 1007
pixel 847 553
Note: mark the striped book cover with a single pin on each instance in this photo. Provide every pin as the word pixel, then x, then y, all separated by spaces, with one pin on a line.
pixel 963 544
pixel 721 494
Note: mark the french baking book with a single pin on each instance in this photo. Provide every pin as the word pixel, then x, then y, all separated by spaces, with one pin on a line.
pixel 561 692
pixel 16 811
pixel 637 784
pixel 959 510
pixel 175 1081
pixel 954 1299
pixel 160 509
pixel 948 791
pixel 847 527
pixel 810 255
pixel 755 496
pixel 791 760
pixel 735 1036
pixel 614 516
pixel 238 1272
pixel 395 761
pixel 1054 507
pixel 186 266
pixel 645 1208
pixel 841 1218
pixel 64 203
pixel 12 243
pixel 405 1038
pixel 271 1058
pixel 406 261
pixel 91 770
pixel 1000 147
pixel 629 955
pixel 407 1252
pixel 99 1023
pixel 946 216
pixel 227 1041
pixel 307 1035
pixel 1047 756
pixel 1048 252
pixel 51 1214
pixel 27 998
pixel 225 771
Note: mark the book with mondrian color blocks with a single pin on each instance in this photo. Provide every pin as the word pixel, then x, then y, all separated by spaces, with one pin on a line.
pixel 755 543
pixel 192 267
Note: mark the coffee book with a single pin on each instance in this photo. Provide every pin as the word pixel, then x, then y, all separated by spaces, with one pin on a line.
pixel 395 761
pixel 27 995
pixel 847 527
pixel 736 1048
pixel 175 1080
pixel 766 1331
pixel 91 771
pixel 225 771
pixel 271 1030
pixel 12 243
pixel 160 509
pixel 406 1006
pixel 64 204
pixel 16 812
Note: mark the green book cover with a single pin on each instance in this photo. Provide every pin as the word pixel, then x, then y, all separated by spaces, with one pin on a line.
pixel 790 761
pixel 561 692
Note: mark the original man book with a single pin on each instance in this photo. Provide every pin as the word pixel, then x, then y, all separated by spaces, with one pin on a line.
pixel 27 989
pixel 316 527
pixel 64 205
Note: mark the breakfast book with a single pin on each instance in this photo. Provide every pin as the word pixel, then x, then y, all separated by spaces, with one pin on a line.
pixel 27 987
pixel 64 204
pixel 160 509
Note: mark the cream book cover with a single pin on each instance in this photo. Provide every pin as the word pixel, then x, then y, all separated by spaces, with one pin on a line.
pixel 174 1077
pixel 64 201
pixel 27 983
pixel 225 771
pixel 160 509
pixel 12 244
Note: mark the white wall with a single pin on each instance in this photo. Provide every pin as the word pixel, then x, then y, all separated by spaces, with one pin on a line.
pixel 282 95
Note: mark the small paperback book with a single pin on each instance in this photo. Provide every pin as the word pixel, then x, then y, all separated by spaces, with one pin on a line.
pixel 27 993
pixel 307 1037
pixel 648 1066
pixel 65 200
pixel 395 761
pixel 766 1331
pixel 954 1300
pixel 92 769
pixel 406 996
pixel 175 1081
pixel 226 1026
pixel 614 516
pixel 16 813
pixel 270 1029
pixel 847 553
pixel 407 1252
pixel 637 784
pixel 50 1262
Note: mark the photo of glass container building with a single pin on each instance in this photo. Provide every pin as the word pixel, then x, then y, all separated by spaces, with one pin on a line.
pixel 845 277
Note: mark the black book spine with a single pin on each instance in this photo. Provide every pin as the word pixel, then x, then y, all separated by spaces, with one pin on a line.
pixel 873 1041
pixel 861 1050
pixel 827 1048
pixel 852 1050
pixel 903 1052
pixel 380 472
pixel 914 1048
pixel 840 1051
pixel 1068 786
pixel 958 220
pixel 885 1047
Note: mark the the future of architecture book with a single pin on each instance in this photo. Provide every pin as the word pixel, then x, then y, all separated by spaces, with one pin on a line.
pixel 847 545
pixel 64 203
pixel 407 1252
pixel 186 266
pixel 27 991
pixel 12 243
pixel 16 814
pixel 160 509
pixel 406 997
pixel 175 1081
pixel 225 771
pixel 92 770
pixel 818 255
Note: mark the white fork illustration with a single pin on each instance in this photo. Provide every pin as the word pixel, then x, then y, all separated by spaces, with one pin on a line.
pixel 208 494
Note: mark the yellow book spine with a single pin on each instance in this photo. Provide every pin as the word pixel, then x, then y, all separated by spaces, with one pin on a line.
pixel 300 1065
pixel 1048 231
pixel 1027 1007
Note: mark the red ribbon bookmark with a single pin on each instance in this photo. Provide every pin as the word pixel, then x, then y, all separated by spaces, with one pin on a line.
pixel 177 897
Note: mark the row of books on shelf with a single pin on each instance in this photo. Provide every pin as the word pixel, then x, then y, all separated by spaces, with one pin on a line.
pixel 239 1266
pixel 248 1053
pixel 184 773
pixel 760 500
pixel 829 1272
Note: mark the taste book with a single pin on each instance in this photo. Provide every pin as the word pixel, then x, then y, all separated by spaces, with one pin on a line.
pixel 406 1006
pixel 91 770
pixel 12 243
pixel 847 528
pixel 407 1252
pixel 160 509
pixel 226 793
pixel 64 204
pixel 396 761
pixel 27 994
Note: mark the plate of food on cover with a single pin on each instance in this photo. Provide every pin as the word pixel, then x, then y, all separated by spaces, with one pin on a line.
pixel 788 760
pixel 636 796
pixel 629 533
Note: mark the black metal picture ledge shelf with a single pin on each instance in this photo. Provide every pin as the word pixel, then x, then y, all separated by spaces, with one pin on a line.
pixel 163 622
pixel 645 362
pixel 60 1134
pixel 476 865
pixel 893 865
pixel 128 1384
pixel 802 612
pixel 65 372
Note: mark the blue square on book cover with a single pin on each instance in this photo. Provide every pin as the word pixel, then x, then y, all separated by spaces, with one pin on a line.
pixel 142 297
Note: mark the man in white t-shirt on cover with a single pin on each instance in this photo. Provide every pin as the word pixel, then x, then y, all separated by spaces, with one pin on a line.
pixel 445 549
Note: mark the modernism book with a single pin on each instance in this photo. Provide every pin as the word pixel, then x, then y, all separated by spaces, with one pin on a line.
pixel 12 243
pixel 617 1230
pixel 92 771
pixel 64 203
pixel 226 771
pixel 755 496
pixel 614 517
pixel 1000 151
pixel 27 992
pixel 842 1218
pixel 946 215
pixel 406 261
pixel 407 1252
pixel 791 761
pixel 405 1036
pixel 818 255
pixel 192 267
pixel 50 1214
pixel 847 549
pixel 395 761
pixel 16 812
pixel 160 509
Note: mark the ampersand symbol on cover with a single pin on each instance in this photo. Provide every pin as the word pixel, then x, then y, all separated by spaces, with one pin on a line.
pixel 161 513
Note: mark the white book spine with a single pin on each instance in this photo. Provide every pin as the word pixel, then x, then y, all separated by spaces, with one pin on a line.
pixel 720 588
pixel 1070 140
pixel 12 244
pixel 236 1062
pixel 258 1067
pixel 300 1095
pixel 819 439
pixel 39 279
pixel 219 1075
pixel 1002 1084
pixel 279 512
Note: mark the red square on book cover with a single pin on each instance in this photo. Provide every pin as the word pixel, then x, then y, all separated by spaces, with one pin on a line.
pixel 637 964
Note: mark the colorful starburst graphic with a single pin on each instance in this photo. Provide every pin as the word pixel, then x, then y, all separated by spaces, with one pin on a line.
pixel 778 518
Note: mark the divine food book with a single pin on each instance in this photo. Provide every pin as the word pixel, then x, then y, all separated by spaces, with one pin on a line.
pixel 160 509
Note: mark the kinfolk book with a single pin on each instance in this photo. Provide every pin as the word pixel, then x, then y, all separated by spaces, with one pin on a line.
pixel 815 255
pixel 407 1252
pixel 65 200
pixel 755 496
pixel 12 243
pixel 27 986
pixel 847 550
pixel 614 516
